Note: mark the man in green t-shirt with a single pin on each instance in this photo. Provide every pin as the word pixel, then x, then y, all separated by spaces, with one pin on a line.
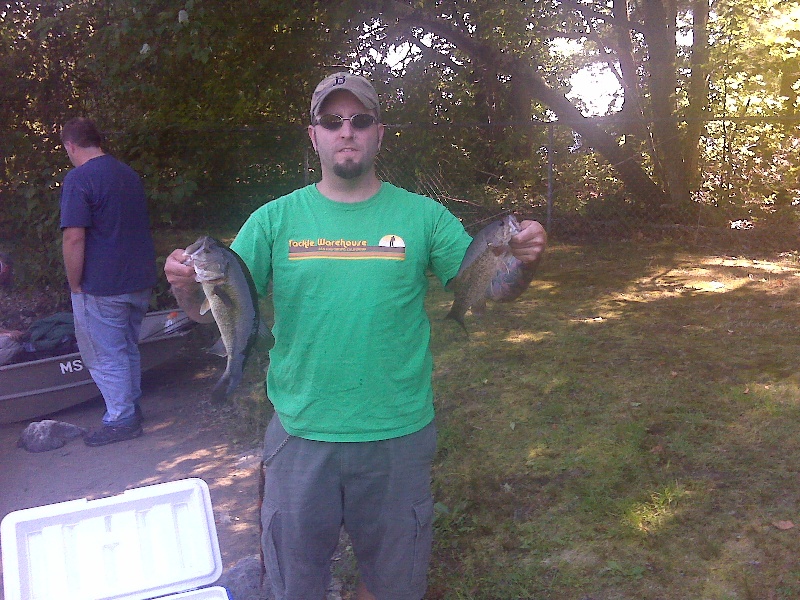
pixel 352 439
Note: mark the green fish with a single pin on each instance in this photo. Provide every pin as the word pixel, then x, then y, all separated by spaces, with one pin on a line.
pixel 488 271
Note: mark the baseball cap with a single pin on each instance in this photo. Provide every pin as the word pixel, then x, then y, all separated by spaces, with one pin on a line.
pixel 360 87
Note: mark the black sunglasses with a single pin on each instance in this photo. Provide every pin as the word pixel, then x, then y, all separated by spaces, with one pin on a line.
pixel 334 122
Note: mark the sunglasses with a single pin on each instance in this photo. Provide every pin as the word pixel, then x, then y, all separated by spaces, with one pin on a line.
pixel 334 122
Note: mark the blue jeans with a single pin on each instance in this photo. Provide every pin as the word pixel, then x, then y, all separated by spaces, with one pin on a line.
pixel 107 330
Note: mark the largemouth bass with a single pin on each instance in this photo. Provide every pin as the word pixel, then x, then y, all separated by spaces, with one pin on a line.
pixel 488 271
pixel 232 300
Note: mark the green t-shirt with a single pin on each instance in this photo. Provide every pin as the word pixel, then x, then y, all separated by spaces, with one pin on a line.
pixel 351 360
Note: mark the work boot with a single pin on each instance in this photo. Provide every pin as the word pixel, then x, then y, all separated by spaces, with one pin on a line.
pixel 110 434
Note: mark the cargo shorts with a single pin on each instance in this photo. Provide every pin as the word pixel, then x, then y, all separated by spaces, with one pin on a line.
pixel 379 491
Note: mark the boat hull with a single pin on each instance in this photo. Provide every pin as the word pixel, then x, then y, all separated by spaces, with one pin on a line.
pixel 36 388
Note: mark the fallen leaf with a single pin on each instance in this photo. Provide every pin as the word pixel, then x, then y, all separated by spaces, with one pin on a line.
pixel 783 525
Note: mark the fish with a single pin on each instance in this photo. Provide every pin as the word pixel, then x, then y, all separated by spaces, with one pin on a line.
pixel 488 271
pixel 230 295
pixel 42 436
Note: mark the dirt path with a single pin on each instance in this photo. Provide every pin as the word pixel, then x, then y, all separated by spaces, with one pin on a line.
pixel 184 437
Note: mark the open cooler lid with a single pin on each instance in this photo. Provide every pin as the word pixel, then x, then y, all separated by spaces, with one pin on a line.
pixel 146 542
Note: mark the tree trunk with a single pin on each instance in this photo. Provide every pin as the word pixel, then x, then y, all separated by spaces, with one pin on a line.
pixel 698 90
pixel 637 182
pixel 632 93
pixel 660 36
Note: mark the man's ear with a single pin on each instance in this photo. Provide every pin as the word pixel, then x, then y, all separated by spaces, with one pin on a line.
pixel 381 130
pixel 312 134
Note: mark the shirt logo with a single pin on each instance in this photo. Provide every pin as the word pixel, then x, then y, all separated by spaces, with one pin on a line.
pixel 390 247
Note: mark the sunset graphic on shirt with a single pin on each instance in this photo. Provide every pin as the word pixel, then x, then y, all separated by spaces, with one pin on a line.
pixel 392 241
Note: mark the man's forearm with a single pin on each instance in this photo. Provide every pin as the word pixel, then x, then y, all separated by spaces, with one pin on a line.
pixel 73 249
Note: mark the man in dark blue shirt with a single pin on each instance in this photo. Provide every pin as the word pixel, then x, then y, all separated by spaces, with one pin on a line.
pixel 111 269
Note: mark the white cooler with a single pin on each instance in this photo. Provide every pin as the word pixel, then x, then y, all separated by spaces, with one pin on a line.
pixel 149 542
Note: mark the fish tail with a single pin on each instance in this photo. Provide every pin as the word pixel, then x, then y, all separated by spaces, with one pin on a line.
pixel 458 317
pixel 235 371
pixel 233 381
pixel 220 391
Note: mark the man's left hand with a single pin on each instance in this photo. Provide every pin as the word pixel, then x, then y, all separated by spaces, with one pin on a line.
pixel 528 245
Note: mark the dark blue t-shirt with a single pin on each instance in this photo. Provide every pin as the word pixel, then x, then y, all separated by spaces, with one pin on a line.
pixel 106 197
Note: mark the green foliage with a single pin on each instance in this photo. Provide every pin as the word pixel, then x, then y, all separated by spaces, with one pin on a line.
pixel 751 156
pixel 208 101
pixel 208 104
pixel 452 523
pixel 37 45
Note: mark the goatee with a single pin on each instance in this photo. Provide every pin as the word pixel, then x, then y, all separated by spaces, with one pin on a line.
pixel 349 170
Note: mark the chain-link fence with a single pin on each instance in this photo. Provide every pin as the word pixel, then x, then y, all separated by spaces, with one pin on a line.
pixel 544 171
pixel 746 186
pixel 747 179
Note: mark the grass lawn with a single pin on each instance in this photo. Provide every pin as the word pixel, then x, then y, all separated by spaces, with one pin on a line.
pixel 625 430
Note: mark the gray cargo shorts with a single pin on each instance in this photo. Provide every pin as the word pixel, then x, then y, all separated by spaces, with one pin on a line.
pixel 379 491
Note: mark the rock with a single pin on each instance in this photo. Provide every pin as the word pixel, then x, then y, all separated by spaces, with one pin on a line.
pixel 42 436
pixel 244 581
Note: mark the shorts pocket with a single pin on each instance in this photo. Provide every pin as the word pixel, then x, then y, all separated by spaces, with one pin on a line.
pixel 269 545
pixel 423 513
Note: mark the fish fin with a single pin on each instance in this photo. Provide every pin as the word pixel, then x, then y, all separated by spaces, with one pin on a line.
pixel 453 314
pixel 233 382
pixel 218 348
pixel 224 296
pixel 264 339
pixel 220 391
pixel 229 381
pixel 205 306
pixel 479 307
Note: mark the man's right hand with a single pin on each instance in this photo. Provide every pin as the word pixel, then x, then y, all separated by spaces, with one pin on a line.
pixel 179 274
pixel 185 287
